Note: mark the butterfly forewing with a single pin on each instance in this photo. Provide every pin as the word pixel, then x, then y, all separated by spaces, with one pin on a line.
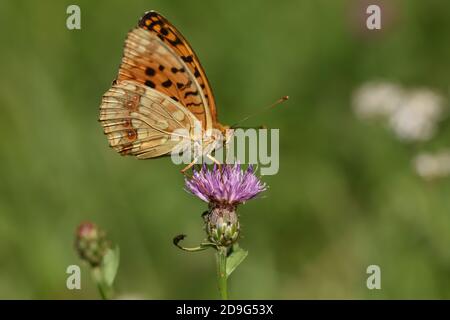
pixel 158 56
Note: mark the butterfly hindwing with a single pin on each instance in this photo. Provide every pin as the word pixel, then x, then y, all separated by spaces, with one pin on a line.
pixel 140 121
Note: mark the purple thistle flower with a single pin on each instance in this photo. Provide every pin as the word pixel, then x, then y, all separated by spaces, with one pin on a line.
pixel 224 189
pixel 228 185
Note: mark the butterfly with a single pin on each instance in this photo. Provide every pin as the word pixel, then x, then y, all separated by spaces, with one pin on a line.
pixel 161 91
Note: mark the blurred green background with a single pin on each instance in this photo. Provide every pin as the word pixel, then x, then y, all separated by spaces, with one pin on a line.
pixel 346 195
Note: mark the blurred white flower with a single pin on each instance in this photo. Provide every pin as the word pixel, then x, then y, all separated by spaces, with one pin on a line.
pixel 431 166
pixel 417 116
pixel 412 115
pixel 377 99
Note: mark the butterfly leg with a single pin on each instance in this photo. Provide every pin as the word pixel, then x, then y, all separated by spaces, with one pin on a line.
pixel 190 165
pixel 183 171
pixel 215 161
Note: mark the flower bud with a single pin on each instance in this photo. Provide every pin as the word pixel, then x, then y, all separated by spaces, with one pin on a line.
pixel 91 243
pixel 222 225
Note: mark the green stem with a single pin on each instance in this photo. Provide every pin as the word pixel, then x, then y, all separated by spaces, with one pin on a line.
pixel 105 291
pixel 221 259
pixel 102 291
pixel 201 247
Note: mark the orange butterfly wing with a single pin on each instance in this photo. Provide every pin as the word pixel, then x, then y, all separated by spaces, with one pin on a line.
pixel 141 121
pixel 158 56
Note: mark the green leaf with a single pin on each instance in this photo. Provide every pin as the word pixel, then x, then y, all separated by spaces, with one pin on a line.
pixel 235 258
pixel 110 265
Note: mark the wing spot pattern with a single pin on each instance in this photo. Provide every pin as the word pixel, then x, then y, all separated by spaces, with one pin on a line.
pixel 150 84
pixel 167 83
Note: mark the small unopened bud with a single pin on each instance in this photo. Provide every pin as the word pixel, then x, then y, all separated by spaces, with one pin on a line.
pixel 91 243
pixel 222 225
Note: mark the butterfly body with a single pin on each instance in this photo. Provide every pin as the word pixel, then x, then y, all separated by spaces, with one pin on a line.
pixel 161 93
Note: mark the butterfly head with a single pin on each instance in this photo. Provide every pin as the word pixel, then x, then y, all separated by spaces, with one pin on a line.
pixel 225 133
pixel 228 134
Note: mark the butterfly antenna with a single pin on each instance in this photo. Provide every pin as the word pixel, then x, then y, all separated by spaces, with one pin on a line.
pixel 279 101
